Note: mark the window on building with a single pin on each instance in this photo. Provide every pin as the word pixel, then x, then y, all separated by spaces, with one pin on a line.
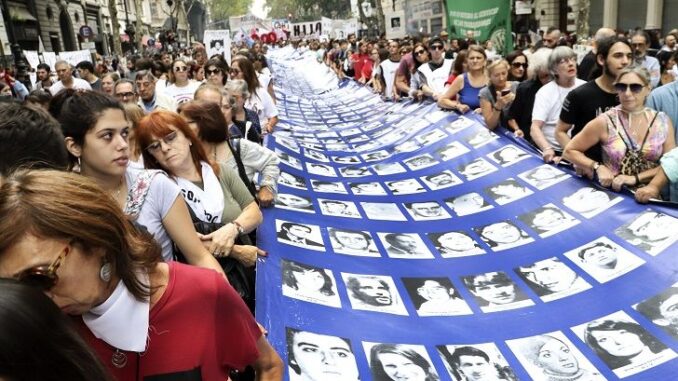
pixel 436 25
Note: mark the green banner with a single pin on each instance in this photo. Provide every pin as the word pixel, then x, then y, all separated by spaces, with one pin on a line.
pixel 487 19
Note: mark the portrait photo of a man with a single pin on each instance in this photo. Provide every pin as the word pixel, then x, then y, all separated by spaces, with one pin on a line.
pixel 323 186
pixel 544 176
pixel 552 279
pixel 452 150
pixel 294 202
pixel 662 310
pixel 441 180
pixel 353 242
pixel 650 231
pixel 435 297
pixel 495 291
pixel 373 293
pixel 604 259
pixel 338 208
pixel 548 220
pixel 404 245
pixel 477 362
pixel 426 210
pixel 302 235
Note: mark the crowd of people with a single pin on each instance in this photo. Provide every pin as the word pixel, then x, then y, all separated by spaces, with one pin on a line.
pixel 128 194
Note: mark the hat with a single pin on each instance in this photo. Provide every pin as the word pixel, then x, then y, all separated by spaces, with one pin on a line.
pixel 434 40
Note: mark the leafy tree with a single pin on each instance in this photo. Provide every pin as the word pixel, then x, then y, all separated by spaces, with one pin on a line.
pixel 309 10
pixel 223 9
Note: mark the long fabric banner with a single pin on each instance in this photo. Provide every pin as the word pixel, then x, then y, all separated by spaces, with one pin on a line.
pixel 408 243
pixel 488 20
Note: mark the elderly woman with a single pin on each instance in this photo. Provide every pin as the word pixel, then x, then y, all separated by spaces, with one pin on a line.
pixel 64 234
pixel 538 75
pixel 258 99
pixel 633 137
pixel 496 98
pixel 468 84
pixel 108 81
pixel 244 118
pixel 394 362
pixel 562 65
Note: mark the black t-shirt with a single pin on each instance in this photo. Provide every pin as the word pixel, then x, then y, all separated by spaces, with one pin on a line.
pixel 584 104
pixel 586 66
pixel 521 108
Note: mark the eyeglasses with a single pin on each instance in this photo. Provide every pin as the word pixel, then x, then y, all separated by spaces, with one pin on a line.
pixel 519 64
pixel 44 277
pixel 419 52
pixel 168 139
pixel 124 95
pixel 566 60
pixel 624 87
pixel 234 71
pixel 180 68
pixel 437 47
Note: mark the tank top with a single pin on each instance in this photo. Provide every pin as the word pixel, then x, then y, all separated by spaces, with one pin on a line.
pixel 469 94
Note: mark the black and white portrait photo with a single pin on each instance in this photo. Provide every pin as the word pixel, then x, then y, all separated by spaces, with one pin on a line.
pixel 624 345
pixel 426 210
pixel 350 132
pixel 294 202
pixel 407 146
pixel 216 47
pixel 346 159
pixel 480 138
pixel 455 244
pixel 503 235
pixel 589 201
pixel 468 203
pixel 459 124
pixel 320 169
pixel 495 291
pixel 353 242
pixel 405 186
pixel 475 169
pixel 399 362
pixel 338 208
pixel 477 362
pixel 292 181
pixel 650 231
pixel 315 155
pixel 552 279
pixel 290 144
pixel 452 150
pixel 354 171
pixel 373 293
pixel 548 220
pixel 604 259
pixel 552 356
pixel 322 186
pixel 544 176
pixel 383 211
pixel 289 160
pixel 507 191
pixel 367 189
pixel 420 162
pixel 404 245
pixel 662 310
pixel 441 180
pixel 315 357
pixel 389 168
pixel 302 235
pixel 508 155
pixel 435 297
pixel 310 284
pixel 431 137
pixel 376 156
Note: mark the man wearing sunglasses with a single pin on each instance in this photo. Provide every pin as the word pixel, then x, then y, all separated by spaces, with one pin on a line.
pixel 640 42
pixel 434 73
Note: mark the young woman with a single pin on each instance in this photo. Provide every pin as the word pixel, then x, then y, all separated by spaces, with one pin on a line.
pixel 394 362
pixel 518 62
pixel 258 100
pixel 421 56
pixel 467 85
pixel 180 87
pixel 496 98
pixel 264 74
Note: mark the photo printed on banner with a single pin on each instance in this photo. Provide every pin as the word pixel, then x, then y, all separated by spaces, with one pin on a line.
pixel 405 246
pixel 383 211
pixel 294 202
pixel 376 156
pixel 310 284
pixel 476 169
pixel 288 143
pixel 481 138
pixel 452 150
pixel 420 162
pixel 301 235
pixel 389 362
pixel 552 356
pixel 322 186
pixel 353 242
pixel 431 137
pixel 548 220
pixel 405 186
pixel 508 155
pixel 315 155
pixel 552 279
pixel 354 171
pixel 589 201
pixel 441 180
pixel 435 297
pixel 507 191
pixel 503 235
pixel 407 146
pixel 650 231
pixel 662 310
pixel 426 210
pixel 604 259
pixel 388 168
pixel 289 160
pixel 367 189
pixel 461 123
pixel 320 169
pixel 376 293
pixel 624 345
pixel 476 362
pixel 495 291
pixel 308 354
pixel 468 203
pixel 455 244
pixel 292 181
pixel 346 159
pixel 544 176
pixel 338 208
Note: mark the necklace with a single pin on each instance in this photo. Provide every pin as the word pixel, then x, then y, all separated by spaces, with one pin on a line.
pixel 117 192
pixel 119 359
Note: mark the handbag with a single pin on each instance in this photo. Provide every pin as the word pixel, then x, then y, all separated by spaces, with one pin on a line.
pixel 633 162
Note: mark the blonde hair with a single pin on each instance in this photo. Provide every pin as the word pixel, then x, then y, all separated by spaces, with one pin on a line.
pixel 640 71
pixel 496 63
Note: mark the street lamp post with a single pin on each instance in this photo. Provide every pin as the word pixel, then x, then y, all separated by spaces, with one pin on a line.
pixel 19 62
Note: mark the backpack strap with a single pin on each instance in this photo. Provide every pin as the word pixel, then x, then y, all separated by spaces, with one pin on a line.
pixel 241 167
pixel 137 194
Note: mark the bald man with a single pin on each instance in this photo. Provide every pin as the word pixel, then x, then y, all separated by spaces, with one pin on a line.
pixel 588 63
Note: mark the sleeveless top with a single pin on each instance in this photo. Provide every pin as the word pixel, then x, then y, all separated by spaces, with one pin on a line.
pixel 614 148
pixel 435 79
pixel 469 94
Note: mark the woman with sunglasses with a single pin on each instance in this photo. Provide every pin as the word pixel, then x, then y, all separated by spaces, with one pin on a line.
pixel 467 85
pixel 96 132
pixel 216 71
pixel 629 126
pixel 421 56
pixel 496 98
pixel 518 63
pixel 143 317
pixel 180 87
pixel 258 100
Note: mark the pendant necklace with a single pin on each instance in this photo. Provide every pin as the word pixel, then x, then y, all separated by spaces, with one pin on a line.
pixel 119 359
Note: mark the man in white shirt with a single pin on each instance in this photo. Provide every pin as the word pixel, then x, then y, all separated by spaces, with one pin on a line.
pixel 434 73
pixel 66 81
pixel 640 42
pixel 388 71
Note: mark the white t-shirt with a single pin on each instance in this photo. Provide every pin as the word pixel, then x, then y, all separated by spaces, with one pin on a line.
pixel 264 79
pixel 181 94
pixel 388 71
pixel 159 199
pixel 547 105
pixel 262 104
pixel 78 84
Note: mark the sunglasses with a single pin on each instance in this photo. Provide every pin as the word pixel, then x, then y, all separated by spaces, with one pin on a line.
pixel 437 47
pixel 624 87
pixel 44 277
pixel 180 68
pixel 167 139
pixel 519 64
pixel 419 52
pixel 210 72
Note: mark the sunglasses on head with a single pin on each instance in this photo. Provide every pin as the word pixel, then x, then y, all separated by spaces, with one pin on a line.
pixel 519 64
pixel 44 277
pixel 437 47
pixel 624 87
pixel 210 72
pixel 180 68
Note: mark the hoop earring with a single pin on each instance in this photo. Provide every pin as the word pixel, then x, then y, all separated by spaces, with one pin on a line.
pixel 105 272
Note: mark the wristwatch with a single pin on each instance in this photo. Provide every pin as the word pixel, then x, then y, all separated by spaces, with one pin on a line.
pixel 239 227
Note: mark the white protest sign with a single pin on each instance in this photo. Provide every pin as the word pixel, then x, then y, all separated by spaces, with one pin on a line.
pixel 311 28
pixel 49 58
pixel 218 42
pixel 32 58
pixel 75 57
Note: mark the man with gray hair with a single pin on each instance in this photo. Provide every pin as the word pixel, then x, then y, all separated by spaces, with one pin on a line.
pixel 246 120
pixel 149 98
pixel 125 91
pixel 640 42
pixel 66 81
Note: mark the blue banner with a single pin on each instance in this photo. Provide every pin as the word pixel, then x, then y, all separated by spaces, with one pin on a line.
pixel 408 243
